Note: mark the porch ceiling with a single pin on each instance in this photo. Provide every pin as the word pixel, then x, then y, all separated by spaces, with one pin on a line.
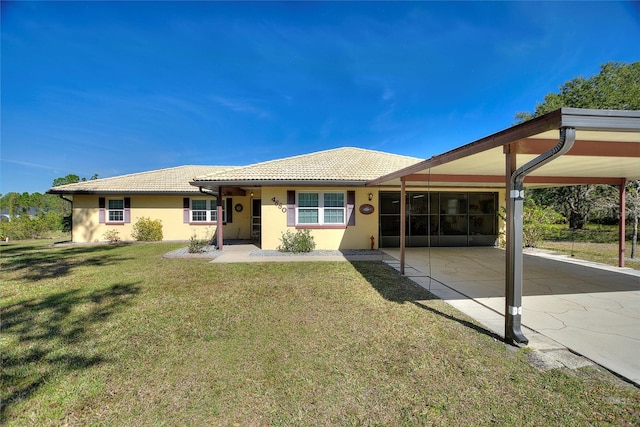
pixel 607 149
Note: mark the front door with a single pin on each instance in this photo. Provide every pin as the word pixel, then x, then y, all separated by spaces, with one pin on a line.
pixel 256 220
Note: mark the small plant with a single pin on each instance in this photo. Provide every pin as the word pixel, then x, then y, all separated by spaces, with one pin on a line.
pixel 147 230
pixel 196 245
pixel 301 241
pixel 537 223
pixel 112 236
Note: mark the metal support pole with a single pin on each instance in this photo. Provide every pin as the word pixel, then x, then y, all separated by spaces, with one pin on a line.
pixel 403 226
pixel 621 223
pixel 220 219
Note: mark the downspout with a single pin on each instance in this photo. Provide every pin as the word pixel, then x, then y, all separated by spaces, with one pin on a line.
pixel 71 203
pixel 515 191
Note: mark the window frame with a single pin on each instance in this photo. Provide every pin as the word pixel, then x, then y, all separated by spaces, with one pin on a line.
pixel 321 209
pixel 210 211
pixel 109 211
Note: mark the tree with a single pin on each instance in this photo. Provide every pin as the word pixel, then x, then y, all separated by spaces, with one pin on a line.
pixel 611 200
pixel 616 87
pixel 69 179
pixel 633 211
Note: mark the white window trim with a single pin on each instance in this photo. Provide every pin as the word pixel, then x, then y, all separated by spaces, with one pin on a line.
pixel 211 211
pixel 321 208
pixel 109 211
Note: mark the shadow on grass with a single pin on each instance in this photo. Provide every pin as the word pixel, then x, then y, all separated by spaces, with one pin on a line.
pixel 393 287
pixel 54 335
pixel 43 262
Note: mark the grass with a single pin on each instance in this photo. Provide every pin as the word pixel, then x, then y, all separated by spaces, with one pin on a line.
pixel 597 243
pixel 117 335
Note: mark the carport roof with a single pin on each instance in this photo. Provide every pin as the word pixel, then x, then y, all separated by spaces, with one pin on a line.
pixel 606 151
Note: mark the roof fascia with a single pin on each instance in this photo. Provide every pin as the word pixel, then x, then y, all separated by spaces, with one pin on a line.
pixel 605 120
pixel 105 192
pixel 529 128
pixel 578 118
pixel 278 183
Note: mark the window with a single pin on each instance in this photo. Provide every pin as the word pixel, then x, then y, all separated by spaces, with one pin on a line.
pixel 115 211
pixel 321 208
pixel 206 210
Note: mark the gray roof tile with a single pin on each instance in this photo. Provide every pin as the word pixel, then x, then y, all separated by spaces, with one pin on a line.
pixel 340 164
pixel 170 180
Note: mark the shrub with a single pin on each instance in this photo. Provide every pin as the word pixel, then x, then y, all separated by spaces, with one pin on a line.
pixel 196 245
pixel 537 220
pixel 301 241
pixel 147 230
pixel 112 236
pixel 26 227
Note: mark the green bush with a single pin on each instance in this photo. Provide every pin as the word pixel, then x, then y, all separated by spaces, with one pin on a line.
pixel 537 222
pixel 24 227
pixel 301 241
pixel 196 245
pixel 147 230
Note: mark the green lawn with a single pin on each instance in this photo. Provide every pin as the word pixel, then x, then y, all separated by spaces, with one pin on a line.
pixel 118 335
pixel 598 243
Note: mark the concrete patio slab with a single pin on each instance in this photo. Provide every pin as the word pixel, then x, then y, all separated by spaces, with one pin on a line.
pixel 591 309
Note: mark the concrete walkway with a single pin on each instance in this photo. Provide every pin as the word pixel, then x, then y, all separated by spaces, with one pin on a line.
pixel 591 309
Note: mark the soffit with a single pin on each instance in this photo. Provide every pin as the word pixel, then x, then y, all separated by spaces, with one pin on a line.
pixel 598 155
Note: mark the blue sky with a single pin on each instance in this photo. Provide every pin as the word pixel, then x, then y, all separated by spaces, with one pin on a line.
pixel 122 87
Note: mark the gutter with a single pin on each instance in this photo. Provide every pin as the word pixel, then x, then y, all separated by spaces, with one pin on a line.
pixel 279 183
pixel 64 198
pixel 208 193
pixel 513 284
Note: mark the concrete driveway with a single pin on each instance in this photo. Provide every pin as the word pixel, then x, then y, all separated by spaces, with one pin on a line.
pixel 591 309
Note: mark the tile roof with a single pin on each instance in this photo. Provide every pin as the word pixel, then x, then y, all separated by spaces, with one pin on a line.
pixel 170 180
pixel 340 164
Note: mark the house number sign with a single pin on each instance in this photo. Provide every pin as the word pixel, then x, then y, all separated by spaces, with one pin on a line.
pixel 279 205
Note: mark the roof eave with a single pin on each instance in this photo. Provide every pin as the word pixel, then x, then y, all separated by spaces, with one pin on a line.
pixel 605 120
pixel 578 118
pixel 107 192
pixel 278 183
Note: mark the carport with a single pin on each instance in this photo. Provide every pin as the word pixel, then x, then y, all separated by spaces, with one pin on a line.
pixel 591 309
pixel 568 146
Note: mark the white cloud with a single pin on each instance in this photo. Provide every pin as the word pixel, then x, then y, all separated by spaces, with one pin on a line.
pixel 240 105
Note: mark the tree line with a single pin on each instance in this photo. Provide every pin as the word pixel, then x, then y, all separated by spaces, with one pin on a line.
pixel 36 215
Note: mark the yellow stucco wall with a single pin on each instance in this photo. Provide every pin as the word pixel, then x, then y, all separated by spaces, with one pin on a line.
pixel 168 209
pixel 274 220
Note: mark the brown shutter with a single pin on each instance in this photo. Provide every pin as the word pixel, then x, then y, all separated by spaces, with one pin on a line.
pixel 185 210
pixel 127 210
pixel 102 210
pixel 229 207
pixel 291 208
pixel 351 212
